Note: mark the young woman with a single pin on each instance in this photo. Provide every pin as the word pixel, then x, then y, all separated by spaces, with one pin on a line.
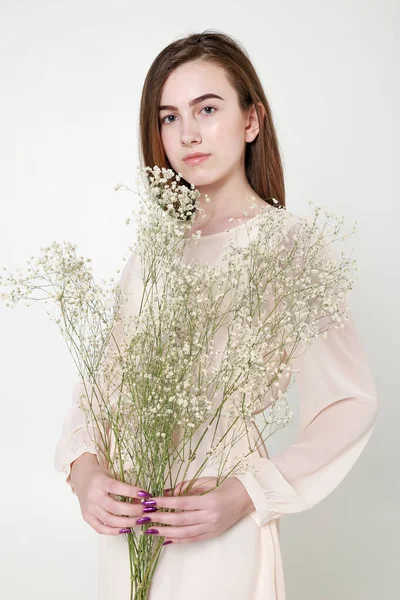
pixel 202 96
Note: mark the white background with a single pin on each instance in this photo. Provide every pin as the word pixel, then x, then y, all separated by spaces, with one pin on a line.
pixel 71 77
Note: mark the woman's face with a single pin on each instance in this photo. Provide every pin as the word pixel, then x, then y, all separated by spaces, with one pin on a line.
pixel 214 126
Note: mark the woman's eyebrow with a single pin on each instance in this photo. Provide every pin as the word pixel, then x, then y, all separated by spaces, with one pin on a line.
pixel 191 103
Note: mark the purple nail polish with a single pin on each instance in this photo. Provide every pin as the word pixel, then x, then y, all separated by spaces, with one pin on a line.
pixel 167 542
pixel 149 509
pixel 151 530
pixel 143 494
pixel 143 520
pixel 126 530
pixel 149 502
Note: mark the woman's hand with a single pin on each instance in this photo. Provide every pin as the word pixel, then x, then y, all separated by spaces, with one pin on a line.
pixel 92 484
pixel 201 517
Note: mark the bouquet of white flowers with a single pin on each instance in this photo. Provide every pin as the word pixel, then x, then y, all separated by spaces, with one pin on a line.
pixel 158 397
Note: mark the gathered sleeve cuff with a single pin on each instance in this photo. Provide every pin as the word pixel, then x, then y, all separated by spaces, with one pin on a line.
pixel 338 409
pixel 75 439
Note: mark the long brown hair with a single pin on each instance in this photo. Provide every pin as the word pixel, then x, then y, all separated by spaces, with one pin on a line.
pixel 263 163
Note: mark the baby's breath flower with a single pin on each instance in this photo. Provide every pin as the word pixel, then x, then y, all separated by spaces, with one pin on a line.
pixel 160 355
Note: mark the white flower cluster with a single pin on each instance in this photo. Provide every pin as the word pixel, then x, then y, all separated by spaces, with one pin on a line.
pixel 155 380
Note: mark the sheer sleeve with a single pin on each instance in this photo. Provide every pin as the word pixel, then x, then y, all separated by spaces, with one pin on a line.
pixel 338 408
pixel 75 438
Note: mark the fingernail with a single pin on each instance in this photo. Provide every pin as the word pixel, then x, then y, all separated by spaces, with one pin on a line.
pixel 149 509
pixel 143 494
pixel 149 502
pixel 151 530
pixel 166 542
pixel 143 520
pixel 126 530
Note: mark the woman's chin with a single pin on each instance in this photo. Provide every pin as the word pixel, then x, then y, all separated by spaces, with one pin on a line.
pixel 198 178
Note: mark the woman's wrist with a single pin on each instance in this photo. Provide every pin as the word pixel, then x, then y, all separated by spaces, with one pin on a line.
pixel 85 460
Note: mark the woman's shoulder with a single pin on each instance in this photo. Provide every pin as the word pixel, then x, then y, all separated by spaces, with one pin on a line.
pixel 292 221
pixel 287 218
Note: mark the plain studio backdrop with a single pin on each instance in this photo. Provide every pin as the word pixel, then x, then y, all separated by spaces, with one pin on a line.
pixel 71 77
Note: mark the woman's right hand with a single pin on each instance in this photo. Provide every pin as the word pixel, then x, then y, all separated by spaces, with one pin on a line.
pixel 92 484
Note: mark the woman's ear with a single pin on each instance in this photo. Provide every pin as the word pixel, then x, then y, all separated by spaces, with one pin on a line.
pixel 253 126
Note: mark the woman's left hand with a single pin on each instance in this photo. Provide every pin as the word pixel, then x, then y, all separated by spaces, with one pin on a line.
pixel 202 517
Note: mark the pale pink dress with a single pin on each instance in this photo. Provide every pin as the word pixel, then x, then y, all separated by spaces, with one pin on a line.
pixel 338 407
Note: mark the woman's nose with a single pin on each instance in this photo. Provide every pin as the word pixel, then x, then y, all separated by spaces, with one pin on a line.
pixel 190 134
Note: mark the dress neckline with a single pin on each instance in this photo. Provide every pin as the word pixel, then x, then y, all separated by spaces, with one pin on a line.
pixel 264 211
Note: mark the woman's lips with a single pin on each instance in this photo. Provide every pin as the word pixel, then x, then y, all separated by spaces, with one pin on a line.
pixel 196 159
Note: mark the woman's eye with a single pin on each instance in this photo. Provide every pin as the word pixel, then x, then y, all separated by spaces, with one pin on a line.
pixel 163 121
pixel 167 117
pixel 209 107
